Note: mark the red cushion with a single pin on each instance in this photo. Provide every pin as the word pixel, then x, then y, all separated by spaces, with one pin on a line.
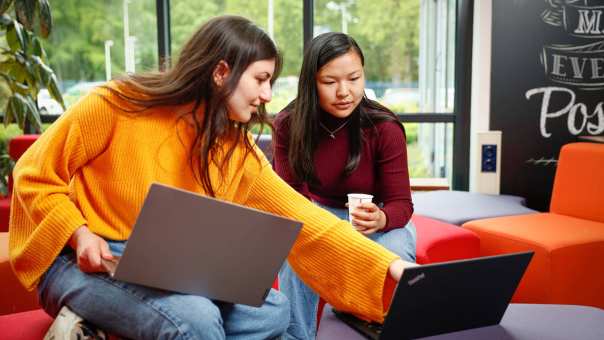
pixel 276 283
pixel 19 144
pixel 16 147
pixel 25 325
pixel 439 241
pixel 4 213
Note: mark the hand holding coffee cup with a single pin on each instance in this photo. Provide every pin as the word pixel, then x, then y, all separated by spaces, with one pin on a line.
pixel 364 215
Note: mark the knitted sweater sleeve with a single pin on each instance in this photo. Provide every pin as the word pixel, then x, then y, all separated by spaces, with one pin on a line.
pixel 43 215
pixel 356 284
pixel 393 174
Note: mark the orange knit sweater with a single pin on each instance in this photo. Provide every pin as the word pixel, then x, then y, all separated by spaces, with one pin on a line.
pixel 93 166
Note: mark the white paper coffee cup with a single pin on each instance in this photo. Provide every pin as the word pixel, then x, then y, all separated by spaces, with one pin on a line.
pixel 354 200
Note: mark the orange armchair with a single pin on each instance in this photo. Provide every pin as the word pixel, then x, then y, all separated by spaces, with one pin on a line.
pixel 568 240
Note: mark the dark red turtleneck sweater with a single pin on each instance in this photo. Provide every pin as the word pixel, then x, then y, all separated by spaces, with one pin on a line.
pixel 382 170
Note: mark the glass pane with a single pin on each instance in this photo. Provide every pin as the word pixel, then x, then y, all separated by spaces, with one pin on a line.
pixel 429 149
pixel 282 19
pixel 86 46
pixel 408 48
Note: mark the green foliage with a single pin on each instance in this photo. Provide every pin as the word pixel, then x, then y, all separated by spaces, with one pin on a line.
pixel 81 28
pixel 416 162
pixel 24 71
pixel 7 132
pixel 188 15
pixel 390 42
pixel 23 63
pixel 386 30
pixel 411 130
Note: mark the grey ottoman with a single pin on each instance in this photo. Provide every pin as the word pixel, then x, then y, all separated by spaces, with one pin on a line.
pixel 520 322
pixel 458 207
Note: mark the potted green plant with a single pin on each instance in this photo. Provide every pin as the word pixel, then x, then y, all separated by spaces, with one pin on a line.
pixel 24 69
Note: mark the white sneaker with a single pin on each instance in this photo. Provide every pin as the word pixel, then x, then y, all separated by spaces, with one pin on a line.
pixel 70 326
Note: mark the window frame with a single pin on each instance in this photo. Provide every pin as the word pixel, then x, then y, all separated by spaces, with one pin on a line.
pixel 460 118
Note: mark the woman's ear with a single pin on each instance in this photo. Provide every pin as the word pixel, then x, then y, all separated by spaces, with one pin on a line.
pixel 221 72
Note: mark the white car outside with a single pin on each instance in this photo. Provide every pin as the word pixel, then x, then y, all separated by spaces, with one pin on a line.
pixel 45 101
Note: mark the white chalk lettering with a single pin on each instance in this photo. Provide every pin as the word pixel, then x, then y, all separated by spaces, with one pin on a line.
pixel 596 129
pixel 571 122
pixel 578 118
pixel 597 65
pixel 557 65
pixel 577 70
pixel 582 68
pixel 589 22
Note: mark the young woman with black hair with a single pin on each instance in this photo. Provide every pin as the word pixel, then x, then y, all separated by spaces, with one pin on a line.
pixel 332 140
pixel 79 188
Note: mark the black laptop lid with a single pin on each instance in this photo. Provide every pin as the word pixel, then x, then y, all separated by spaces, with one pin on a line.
pixel 452 296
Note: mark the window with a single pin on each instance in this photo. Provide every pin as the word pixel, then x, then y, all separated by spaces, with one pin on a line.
pixel 417 54
pixel 282 19
pixel 429 149
pixel 409 65
pixel 87 47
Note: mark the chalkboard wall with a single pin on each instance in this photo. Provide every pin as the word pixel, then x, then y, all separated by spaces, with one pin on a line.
pixel 547 87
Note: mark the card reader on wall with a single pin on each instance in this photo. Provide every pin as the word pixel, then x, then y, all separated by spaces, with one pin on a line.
pixel 488 164
pixel 489 158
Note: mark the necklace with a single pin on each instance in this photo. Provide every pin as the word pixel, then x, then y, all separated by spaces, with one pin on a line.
pixel 332 134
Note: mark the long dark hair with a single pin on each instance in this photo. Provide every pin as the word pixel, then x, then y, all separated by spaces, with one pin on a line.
pixel 305 111
pixel 232 39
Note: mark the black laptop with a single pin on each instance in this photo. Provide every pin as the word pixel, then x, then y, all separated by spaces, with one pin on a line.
pixel 448 297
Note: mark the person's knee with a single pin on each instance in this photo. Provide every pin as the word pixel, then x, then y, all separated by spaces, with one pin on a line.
pixel 277 309
pixel 204 323
pixel 399 241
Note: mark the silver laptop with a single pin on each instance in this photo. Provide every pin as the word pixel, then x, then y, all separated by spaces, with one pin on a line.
pixel 189 243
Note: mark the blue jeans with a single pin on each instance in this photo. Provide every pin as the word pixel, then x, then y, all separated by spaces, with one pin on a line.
pixel 304 302
pixel 138 312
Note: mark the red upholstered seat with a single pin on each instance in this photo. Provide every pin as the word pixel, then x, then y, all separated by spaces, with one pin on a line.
pixel 4 213
pixel 439 241
pixel 19 144
pixel 16 147
pixel 31 325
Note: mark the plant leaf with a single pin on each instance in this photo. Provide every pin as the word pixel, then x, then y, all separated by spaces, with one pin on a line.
pixel 27 110
pixel 36 48
pixel 21 88
pixel 54 91
pixel 4 5
pixel 45 17
pixel 11 39
pixel 43 72
pixel 32 114
pixel 9 113
pixel 25 71
pixel 14 37
pixel 30 74
pixel 17 109
pixel 25 10
pixel 5 19
pixel 6 77
pixel 6 67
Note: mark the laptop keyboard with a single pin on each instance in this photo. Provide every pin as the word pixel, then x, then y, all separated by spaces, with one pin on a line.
pixel 370 330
